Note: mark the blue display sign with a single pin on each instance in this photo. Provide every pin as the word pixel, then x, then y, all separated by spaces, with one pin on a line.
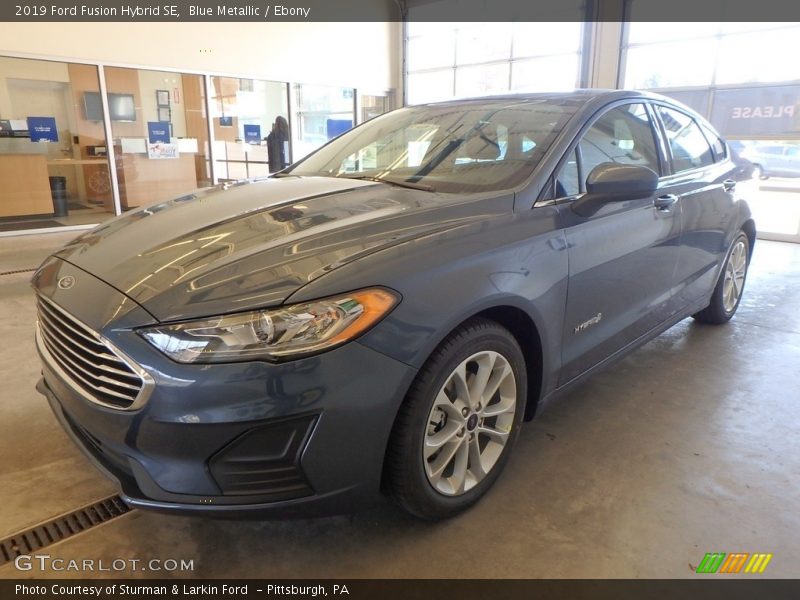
pixel 252 134
pixel 338 127
pixel 42 129
pixel 158 131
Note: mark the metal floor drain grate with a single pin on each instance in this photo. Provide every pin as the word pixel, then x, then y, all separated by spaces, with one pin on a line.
pixel 61 528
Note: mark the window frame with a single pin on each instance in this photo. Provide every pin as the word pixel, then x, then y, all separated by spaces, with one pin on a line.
pixel 581 75
pixel 711 135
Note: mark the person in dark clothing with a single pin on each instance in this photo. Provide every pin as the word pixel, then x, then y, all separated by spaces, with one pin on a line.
pixel 276 145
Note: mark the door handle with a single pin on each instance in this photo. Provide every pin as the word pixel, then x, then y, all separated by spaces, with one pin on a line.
pixel 665 202
pixel 728 185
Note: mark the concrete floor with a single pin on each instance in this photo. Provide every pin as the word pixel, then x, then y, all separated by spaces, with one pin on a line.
pixel 690 445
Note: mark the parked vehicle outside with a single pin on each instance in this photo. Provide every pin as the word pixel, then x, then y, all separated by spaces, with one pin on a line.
pixel 774 160
pixel 380 318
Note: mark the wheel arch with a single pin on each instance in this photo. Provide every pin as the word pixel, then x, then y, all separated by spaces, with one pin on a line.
pixel 527 334
pixel 749 228
pixel 522 327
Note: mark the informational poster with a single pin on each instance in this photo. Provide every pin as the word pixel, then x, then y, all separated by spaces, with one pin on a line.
pixel 160 151
pixel 42 129
pixel 226 121
pixel 252 134
pixel 337 127
pixel 158 131
pixel 751 112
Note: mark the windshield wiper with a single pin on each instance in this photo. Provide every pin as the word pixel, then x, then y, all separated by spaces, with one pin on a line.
pixel 406 184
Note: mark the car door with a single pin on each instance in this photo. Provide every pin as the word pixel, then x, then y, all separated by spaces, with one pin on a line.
pixel 622 259
pixel 703 179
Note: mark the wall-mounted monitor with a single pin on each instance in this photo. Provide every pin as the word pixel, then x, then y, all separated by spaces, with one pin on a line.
pixel 121 107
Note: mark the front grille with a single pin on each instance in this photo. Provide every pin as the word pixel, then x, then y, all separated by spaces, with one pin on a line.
pixel 85 360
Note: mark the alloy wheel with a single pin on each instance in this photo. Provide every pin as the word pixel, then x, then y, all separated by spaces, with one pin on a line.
pixel 735 271
pixel 469 423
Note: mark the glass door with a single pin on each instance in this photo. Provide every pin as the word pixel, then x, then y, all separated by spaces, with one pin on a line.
pixel 251 127
pixel 160 134
pixel 53 155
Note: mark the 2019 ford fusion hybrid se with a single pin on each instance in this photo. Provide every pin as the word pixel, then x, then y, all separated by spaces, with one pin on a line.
pixel 382 316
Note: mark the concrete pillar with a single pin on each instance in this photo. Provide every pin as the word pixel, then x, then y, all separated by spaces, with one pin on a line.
pixel 605 45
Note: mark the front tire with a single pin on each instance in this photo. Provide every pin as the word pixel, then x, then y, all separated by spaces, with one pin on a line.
pixel 730 285
pixel 758 173
pixel 456 428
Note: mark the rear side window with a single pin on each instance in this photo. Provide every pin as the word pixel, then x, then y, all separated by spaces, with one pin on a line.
pixel 717 145
pixel 690 149
pixel 622 135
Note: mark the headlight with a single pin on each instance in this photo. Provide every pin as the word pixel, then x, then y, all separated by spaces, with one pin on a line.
pixel 285 332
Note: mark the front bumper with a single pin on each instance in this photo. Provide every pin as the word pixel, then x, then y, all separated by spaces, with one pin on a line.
pixel 300 438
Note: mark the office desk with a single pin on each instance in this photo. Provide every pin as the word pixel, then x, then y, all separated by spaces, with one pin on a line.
pixel 24 185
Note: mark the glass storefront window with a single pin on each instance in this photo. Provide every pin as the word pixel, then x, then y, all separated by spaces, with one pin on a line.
pixel 251 127
pixel 545 74
pixel 483 42
pixel 322 113
pixel 650 32
pixel 724 53
pixel 774 192
pixel 760 56
pixel 540 39
pixel 432 51
pixel 457 60
pixel 373 105
pixel 664 65
pixel 53 157
pixel 160 134
pixel 482 80
pixel 431 86
pixel 55 149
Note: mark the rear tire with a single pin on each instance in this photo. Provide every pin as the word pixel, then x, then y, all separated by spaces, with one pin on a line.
pixel 730 285
pixel 758 173
pixel 455 430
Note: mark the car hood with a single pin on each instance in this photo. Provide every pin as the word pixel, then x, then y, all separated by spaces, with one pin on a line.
pixel 254 243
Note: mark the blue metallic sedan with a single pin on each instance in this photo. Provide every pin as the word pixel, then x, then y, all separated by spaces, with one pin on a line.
pixel 382 316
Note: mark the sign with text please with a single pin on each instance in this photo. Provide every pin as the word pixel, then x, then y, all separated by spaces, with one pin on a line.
pixel 758 111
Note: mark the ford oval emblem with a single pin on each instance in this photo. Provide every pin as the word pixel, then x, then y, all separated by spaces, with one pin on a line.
pixel 66 282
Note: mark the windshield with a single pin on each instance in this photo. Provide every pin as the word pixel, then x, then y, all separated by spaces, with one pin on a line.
pixel 471 146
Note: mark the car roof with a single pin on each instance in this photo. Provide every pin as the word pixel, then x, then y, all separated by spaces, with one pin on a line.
pixel 585 100
pixel 577 94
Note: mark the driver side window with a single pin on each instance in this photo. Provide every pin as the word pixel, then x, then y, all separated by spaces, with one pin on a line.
pixel 622 135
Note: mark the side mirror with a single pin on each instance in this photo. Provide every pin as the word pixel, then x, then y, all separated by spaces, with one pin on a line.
pixel 612 182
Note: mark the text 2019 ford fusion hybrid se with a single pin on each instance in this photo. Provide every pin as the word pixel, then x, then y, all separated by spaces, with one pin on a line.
pixel 382 316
